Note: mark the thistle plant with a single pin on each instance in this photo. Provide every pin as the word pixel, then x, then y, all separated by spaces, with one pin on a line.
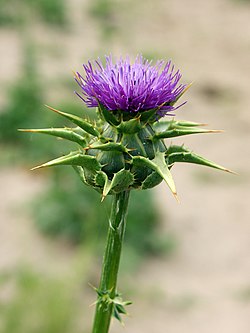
pixel 125 149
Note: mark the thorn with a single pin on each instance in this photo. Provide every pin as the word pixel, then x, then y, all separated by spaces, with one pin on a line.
pixel 23 130
pixel 93 287
pixel 176 197
pixel 75 74
pixel 52 109
pixel 37 167
pixel 232 172
pixel 215 131
pixel 187 87
pixel 92 304
pixel 28 130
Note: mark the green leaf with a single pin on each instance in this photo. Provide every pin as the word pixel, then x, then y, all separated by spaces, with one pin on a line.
pixel 170 124
pixel 119 308
pixel 181 131
pixel 159 165
pixel 120 181
pixel 147 116
pixel 151 181
pixel 80 172
pixel 100 179
pixel 64 133
pixel 86 126
pixel 130 127
pixel 109 146
pixel 74 158
pixel 107 184
pixel 116 314
pixel 180 154
pixel 108 115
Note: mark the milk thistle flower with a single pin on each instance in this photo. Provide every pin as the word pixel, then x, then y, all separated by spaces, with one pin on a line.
pixel 131 88
pixel 125 149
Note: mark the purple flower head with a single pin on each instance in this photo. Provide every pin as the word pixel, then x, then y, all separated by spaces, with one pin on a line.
pixel 131 87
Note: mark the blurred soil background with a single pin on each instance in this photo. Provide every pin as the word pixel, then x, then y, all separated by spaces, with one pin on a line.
pixel 185 266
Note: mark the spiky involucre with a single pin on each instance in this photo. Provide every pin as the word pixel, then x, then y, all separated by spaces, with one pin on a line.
pixel 125 148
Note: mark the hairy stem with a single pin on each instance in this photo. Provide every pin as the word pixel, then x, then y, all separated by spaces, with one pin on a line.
pixel 111 260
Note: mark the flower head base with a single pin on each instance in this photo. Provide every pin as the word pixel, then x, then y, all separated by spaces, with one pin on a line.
pixel 131 87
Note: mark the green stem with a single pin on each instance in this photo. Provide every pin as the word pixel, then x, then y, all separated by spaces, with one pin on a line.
pixel 111 260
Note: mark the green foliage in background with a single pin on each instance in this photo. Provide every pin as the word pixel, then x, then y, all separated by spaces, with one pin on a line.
pixel 243 1
pixel 10 11
pixel 51 11
pixel 16 12
pixel 24 101
pixel 25 109
pixel 68 209
pixel 37 304
pixel 105 13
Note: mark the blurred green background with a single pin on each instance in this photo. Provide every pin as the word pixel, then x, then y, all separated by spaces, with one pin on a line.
pixel 53 228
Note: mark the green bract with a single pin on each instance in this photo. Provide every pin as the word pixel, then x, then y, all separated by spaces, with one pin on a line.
pixel 121 152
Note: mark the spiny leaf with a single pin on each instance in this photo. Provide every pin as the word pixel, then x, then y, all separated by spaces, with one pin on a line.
pixel 147 116
pixel 80 172
pixel 86 126
pixel 107 185
pixel 121 180
pixel 159 165
pixel 167 124
pixel 119 308
pixel 182 131
pixel 109 146
pixel 180 154
pixel 151 181
pixel 63 133
pixel 74 158
pixel 130 127
pixel 117 315
pixel 100 179
pixel 162 169
pixel 107 115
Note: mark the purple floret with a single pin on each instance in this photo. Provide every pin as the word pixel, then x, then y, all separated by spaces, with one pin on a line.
pixel 131 87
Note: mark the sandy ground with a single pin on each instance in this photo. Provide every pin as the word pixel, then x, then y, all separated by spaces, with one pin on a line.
pixel 201 288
